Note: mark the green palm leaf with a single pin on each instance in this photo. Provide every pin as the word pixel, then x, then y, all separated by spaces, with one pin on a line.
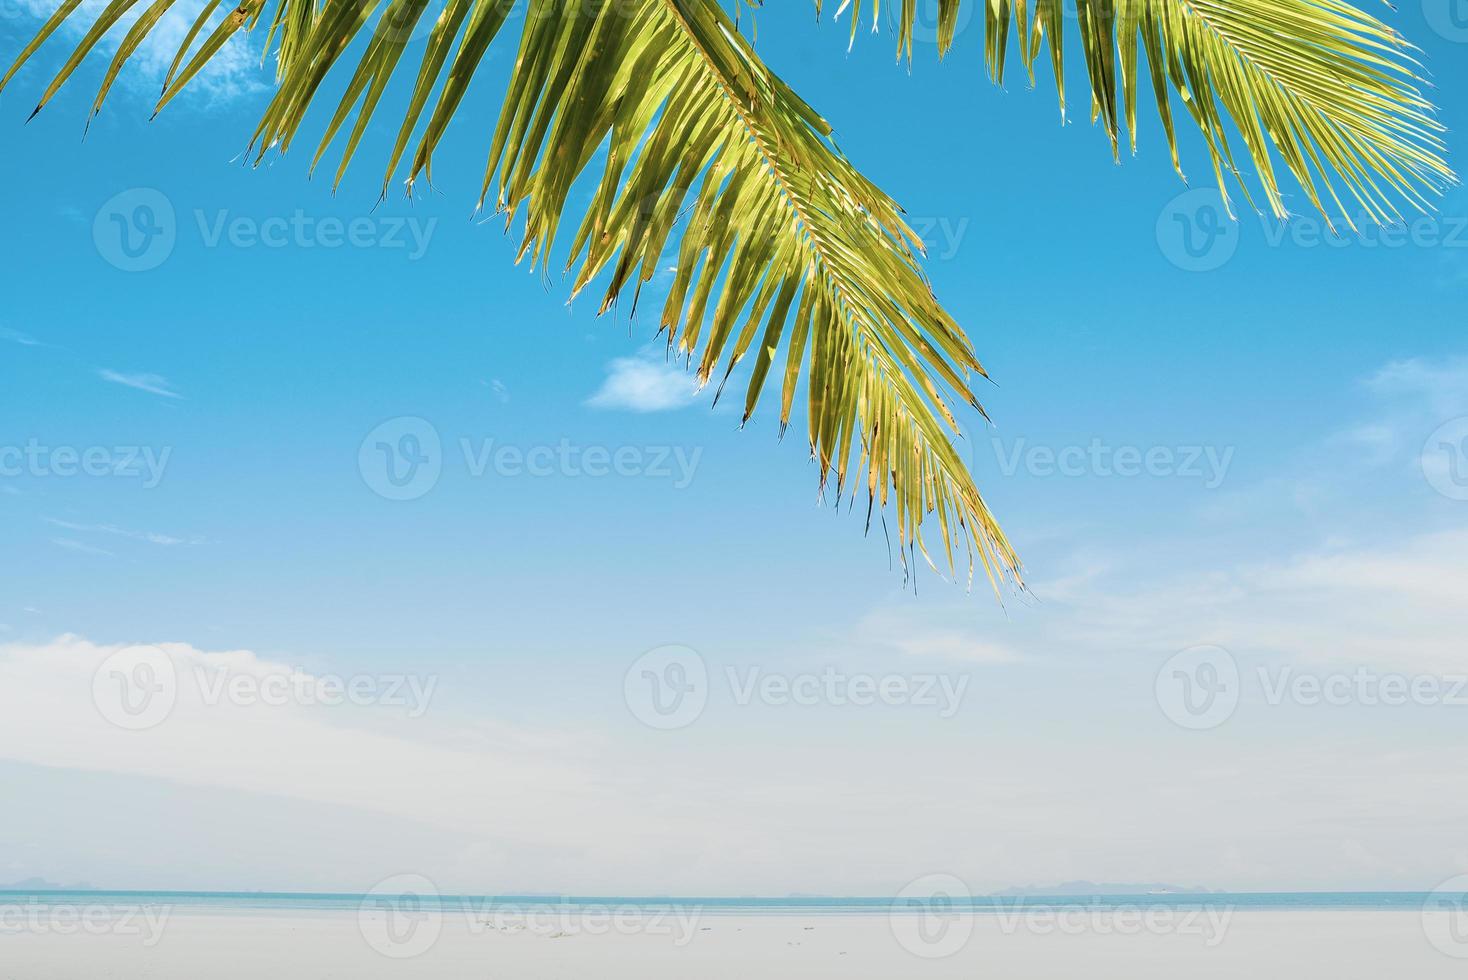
pixel 786 254
pixel 1330 89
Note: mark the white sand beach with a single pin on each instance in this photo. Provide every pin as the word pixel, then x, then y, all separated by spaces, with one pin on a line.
pixel 194 945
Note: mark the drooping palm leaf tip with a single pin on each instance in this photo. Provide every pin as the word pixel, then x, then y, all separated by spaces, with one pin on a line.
pixel 784 251
pixel 788 251
pixel 1330 89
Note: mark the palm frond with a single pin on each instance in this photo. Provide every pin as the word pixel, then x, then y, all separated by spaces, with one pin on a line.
pixel 786 254
pixel 1330 89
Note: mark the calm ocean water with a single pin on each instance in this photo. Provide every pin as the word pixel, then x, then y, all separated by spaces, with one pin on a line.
pixel 283 902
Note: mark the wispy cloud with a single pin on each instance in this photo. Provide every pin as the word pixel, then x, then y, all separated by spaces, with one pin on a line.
pixel 233 72
pixel 644 384
pixel 152 537
pixel 501 392
pixel 17 337
pixel 80 548
pixel 1443 385
pixel 919 632
pixel 154 384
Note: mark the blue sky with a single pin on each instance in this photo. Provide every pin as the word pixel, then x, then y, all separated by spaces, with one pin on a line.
pixel 1294 387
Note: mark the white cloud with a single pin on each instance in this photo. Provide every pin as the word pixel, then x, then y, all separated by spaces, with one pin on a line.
pixel 17 337
pixel 1386 606
pixel 914 631
pixel 152 537
pixel 629 810
pixel 152 383
pixel 644 384
pixel 85 549
pixel 501 392
pixel 233 72
pixel 1441 385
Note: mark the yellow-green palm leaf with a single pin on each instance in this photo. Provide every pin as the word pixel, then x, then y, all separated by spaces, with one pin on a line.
pixel 786 254
pixel 1328 88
